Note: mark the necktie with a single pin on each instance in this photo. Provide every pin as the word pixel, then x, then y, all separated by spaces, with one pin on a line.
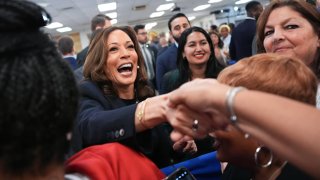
pixel 148 61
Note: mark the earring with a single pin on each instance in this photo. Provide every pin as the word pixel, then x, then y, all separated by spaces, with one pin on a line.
pixel 138 67
pixel 259 150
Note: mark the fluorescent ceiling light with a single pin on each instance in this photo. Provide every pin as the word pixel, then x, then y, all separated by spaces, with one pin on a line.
pixel 169 0
pixel 54 25
pixel 107 7
pixel 190 18
pixel 43 4
pixel 114 21
pixel 157 14
pixel 64 29
pixel 242 1
pixel 164 7
pixel 112 15
pixel 214 1
pixel 201 7
pixel 150 25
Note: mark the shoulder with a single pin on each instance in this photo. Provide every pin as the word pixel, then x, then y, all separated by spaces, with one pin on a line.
pixel 168 52
pixel 172 74
pixel 170 81
pixel 90 89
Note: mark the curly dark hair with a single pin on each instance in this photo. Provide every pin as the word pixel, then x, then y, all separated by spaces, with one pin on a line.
pixel 185 73
pixel 38 93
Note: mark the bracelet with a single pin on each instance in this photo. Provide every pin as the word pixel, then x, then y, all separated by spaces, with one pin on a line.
pixel 140 114
pixel 231 94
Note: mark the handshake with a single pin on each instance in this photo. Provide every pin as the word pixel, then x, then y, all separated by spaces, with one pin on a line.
pixel 198 108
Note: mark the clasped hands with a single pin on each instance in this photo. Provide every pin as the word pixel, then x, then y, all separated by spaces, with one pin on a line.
pixel 196 109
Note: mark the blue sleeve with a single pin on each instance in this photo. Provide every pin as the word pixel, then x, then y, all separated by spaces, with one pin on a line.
pixel 97 125
pixel 232 48
pixel 160 70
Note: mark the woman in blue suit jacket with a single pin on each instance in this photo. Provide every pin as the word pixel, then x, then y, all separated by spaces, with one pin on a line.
pixel 115 103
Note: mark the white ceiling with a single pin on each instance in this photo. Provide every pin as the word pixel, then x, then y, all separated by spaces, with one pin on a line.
pixel 77 14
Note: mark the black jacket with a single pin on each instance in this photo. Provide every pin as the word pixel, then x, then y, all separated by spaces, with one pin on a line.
pixel 104 119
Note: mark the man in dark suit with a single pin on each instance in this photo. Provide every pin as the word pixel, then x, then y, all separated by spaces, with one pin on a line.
pixel 65 46
pixel 167 61
pixel 243 34
pixel 149 53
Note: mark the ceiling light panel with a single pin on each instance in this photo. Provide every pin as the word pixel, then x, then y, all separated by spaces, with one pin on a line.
pixel 201 7
pixel 157 14
pixel 164 7
pixel 64 29
pixel 107 7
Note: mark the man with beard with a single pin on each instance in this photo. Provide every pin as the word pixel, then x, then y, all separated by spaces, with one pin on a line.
pixel 243 35
pixel 167 61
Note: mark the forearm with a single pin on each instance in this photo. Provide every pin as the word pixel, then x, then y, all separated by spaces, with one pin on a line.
pixel 150 113
pixel 290 129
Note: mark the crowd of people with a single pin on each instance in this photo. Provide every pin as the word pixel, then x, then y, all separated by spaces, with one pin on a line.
pixel 106 119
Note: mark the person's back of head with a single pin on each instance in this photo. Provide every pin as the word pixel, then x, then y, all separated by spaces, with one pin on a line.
pixel 254 9
pixel 65 45
pixel 99 21
pixel 38 94
pixel 272 73
pixel 175 17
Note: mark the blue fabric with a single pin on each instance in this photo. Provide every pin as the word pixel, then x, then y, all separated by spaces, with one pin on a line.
pixel 166 62
pixel 241 39
pixel 203 167
pixel 72 62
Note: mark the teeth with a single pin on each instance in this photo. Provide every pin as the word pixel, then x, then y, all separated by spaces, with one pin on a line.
pixel 126 66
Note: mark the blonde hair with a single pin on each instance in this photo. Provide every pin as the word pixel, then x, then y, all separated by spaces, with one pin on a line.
pixel 224 26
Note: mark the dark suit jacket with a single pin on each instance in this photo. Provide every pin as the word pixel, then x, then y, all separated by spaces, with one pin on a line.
pixel 81 56
pixel 103 119
pixel 153 51
pixel 166 62
pixel 241 39
pixel 72 62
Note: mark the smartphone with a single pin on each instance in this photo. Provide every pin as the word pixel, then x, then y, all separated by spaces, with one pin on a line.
pixel 181 174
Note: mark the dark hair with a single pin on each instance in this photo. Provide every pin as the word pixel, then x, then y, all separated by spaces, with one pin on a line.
pixel 307 11
pixel 65 45
pixel 138 27
pixel 212 70
pixel 94 67
pixel 220 43
pixel 38 94
pixel 252 5
pixel 99 20
pixel 176 16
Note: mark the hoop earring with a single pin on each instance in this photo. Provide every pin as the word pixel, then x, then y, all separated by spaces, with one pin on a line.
pixel 256 154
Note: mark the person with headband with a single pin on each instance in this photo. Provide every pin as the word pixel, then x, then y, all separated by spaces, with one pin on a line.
pixel 38 96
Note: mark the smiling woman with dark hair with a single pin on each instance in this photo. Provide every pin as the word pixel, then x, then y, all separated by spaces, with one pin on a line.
pixel 117 103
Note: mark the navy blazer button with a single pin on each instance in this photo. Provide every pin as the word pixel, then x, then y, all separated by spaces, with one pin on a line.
pixel 121 132
pixel 116 134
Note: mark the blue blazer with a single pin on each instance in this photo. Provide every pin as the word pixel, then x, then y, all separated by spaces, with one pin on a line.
pixel 241 39
pixel 102 119
pixel 166 62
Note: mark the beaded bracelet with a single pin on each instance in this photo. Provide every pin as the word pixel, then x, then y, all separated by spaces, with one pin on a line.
pixel 231 94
